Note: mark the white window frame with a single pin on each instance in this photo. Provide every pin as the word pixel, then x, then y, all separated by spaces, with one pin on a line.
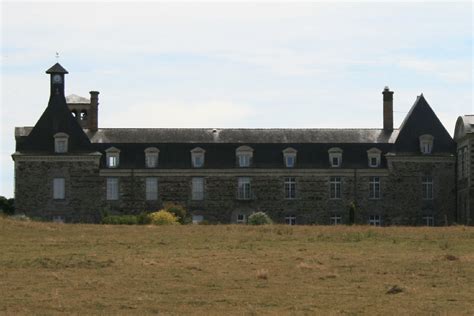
pixel 426 144
pixel 374 153
pixel 290 188
pixel 61 143
pixel 112 156
pixel 59 189
pixel 427 187
pixel 113 189
pixel 335 187
pixel 198 157
pixel 151 157
pixel 151 188
pixel 289 157
pixel 241 218
pixel 374 188
pixel 197 188
pixel 375 220
pixel 290 220
pixel 244 188
pixel 335 154
pixel 244 156
pixel 428 220
pixel 335 219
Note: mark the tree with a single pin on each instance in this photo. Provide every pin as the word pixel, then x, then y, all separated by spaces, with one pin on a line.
pixel 7 206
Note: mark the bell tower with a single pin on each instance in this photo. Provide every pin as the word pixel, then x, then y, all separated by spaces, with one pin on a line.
pixel 57 73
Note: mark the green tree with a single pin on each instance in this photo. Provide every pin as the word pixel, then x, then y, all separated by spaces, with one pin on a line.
pixel 7 206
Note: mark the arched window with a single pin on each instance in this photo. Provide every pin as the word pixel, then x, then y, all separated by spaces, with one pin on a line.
pixel 373 154
pixel 83 115
pixel 61 141
pixel 112 157
pixel 335 156
pixel 289 157
pixel 244 156
pixel 197 157
pixel 426 144
pixel 151 157
pixel 74 113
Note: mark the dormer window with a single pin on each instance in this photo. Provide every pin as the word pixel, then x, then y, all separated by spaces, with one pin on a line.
pixel 373 155
pixel 151 157
pixel 244 155
pixel 112 157
pixel 289 157
pixel 426 144
pixel 335 157
pixel 197 157
pixel 61 143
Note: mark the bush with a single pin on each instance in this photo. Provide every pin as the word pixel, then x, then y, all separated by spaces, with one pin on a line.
pixel 120 220
pixel 178 210
pixel 163 217
pixel 143 219
pixel 7 206
pixel 259 218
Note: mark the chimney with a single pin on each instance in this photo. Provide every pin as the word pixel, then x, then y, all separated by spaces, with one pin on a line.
pixel 94 111
pixel 387 109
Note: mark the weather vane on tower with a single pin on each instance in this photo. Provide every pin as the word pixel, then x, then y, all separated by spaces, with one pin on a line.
pixel 57 56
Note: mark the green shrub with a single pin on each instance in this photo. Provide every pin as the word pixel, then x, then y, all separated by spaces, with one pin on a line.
pixel 120 220
pixel 163 218
pixel 143 219
pixel 259 218
pixel 178 210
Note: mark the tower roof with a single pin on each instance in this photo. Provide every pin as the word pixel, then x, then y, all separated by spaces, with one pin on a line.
pixel 57 69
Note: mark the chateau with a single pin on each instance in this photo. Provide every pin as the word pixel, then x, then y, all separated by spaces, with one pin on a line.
pixel 69 169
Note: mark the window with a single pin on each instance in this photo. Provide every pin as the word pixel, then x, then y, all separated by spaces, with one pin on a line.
pixel 112 156
pixel 151 189
pixel 244 190
pixel 336 219
pixel 289 157
pixel 374 188
pixel 197 157
pixel 58 219
pixel 335 187
pixel 290 188
pixel 244 156
pixel 461 164
pixel 61 143
pixel 241 218
pixel 373 155
pixel 151 157
pixel 112 189
pixel 426 144
pixel 335 157
pixel 197 219
pixel 58 189
pixel 290 220
pixel 428 220
pixel 427 187
pixel 197 189
pixel 465 163
pixel 375 220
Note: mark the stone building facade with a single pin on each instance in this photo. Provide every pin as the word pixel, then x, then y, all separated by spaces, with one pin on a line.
pixel 464 136
pixel 69 169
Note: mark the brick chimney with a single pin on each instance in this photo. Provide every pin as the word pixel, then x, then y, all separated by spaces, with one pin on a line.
pixel 387 109
pixel 94 111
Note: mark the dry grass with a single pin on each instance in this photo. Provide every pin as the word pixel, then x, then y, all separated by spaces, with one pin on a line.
pixel 50 268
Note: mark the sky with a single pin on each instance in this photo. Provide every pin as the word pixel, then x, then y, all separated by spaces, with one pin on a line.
pixel 235 64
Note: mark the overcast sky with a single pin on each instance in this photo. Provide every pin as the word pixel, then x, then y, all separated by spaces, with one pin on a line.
pixel 264 64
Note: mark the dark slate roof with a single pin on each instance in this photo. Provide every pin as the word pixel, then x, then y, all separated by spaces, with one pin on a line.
pixel 57 69
pixel 55 119
pixel 241 136
pixel 422 120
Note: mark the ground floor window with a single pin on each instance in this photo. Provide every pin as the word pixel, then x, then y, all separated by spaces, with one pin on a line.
pixel 336 219
pixel 58 188
pixel 241 218
pixel 375 220
pixel 428 220
pixel 112 189
pixel 58 219
pixel 197 219
pixel 290 220
pixel 151 188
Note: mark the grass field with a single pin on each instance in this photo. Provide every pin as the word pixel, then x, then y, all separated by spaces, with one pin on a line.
pixel 48 268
